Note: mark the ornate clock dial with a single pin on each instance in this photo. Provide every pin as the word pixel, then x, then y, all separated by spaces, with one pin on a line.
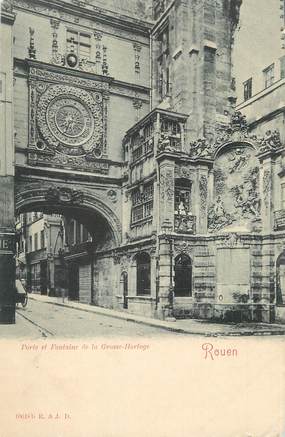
pixel 67 117
pixel 70 121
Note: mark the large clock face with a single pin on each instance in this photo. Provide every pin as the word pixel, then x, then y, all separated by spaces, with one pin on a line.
pixel 70 121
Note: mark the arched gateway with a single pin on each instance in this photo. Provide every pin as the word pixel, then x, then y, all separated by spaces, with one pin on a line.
pixel 71 199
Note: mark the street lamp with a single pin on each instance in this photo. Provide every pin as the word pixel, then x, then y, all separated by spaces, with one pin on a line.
pixel 167 228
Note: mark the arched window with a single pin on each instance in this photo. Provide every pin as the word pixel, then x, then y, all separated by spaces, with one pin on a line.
pixel 280 279
pixel 143 274
pixel 183 276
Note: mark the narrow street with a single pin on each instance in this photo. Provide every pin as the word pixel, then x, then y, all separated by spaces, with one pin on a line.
pixel 40 319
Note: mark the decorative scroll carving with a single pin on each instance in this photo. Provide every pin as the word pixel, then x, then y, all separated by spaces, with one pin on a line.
pixel 203 190
pixel 183 247
pixel 167 185
pixel 183 172
pixel 185 223
pixel 230 240
pixel 235 132
pixel 270 142
pixel 98 55
pixel 105 66
pixel 266 188
pixel 32 50
pixel 75 162
pixel 56 57
pixel 137 50
pixel 64 195
pixel 51 76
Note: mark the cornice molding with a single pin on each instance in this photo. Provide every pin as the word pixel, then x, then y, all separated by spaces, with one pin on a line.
pixel 97 13
pixel 7 17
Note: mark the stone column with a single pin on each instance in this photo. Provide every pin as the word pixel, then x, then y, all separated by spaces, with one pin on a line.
pixel 164 278
pixel 202 200
pixel 266 192
pixel 166 193
pixel 7 216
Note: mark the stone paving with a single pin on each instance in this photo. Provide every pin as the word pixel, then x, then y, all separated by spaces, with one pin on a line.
pixel 186 326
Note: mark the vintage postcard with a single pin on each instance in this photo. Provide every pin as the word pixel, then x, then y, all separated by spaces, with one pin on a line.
pixel 142 218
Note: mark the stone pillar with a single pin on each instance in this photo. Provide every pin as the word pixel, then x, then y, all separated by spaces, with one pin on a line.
pixel 164 278
pixel 166 184
pixel 7 216
pixel 266 192
pixel 202 200
pixel 51 290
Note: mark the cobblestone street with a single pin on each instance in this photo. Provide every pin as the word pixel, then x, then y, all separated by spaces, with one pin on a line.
pixel 40 319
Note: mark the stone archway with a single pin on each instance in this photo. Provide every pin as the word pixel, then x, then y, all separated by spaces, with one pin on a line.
pixel 61 197
pixel 93 259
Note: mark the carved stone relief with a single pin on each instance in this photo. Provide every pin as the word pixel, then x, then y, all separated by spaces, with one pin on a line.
pixel 167 185
pixel 230 240
pixel 266 188
pixel 183 172
pixel 236 189
pixel 203 190
pixel 64 195
pixel 235 131
pixel 183 247
pixel 112 195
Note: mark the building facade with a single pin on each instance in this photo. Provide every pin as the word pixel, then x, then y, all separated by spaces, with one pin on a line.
pixel 39 249
pixel 125 122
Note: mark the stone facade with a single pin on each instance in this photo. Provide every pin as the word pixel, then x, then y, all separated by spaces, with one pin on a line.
pixel 178 191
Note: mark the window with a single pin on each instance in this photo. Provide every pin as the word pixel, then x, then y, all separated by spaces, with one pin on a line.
pixel 70 236
pixel 282 67
pixel 183 276
pixel 42 239
pixel 79 43
pixel 77 238
pixel 142 202
pixel 163 62
pixel 268 75
pixel 247 89
pixel 85 234
pixel 30 247
pixel 143 274
pixel 36 242
pixel 182 196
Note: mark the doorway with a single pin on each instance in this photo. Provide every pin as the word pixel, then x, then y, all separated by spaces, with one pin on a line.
pixel 183 276
pixel 73 281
